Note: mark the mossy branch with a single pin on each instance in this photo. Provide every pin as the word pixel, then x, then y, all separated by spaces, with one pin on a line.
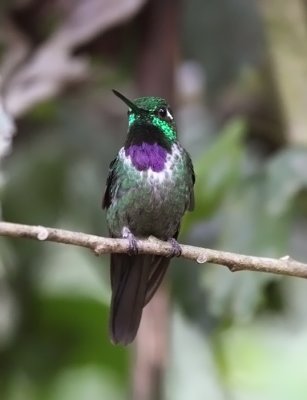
pixel 101 245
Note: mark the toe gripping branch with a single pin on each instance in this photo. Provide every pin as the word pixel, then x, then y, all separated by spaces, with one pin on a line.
pixel 176 248
pixel 133 245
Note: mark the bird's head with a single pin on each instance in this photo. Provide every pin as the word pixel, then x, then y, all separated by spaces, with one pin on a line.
pixel 148 118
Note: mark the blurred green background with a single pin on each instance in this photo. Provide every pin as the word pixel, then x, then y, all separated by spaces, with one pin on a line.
pixel 236 73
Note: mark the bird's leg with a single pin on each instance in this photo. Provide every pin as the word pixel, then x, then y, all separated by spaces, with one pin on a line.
pixel 133 245
pixel 176 248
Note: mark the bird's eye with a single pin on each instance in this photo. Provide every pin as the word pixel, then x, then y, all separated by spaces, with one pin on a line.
pixel 162 112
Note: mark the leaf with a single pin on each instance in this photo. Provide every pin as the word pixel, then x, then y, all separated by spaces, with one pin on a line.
pixel 216 171
pixel 247 226
pixel 184 382
pixel 71 272
pixel 85 383
pixel 286 176
pixel 258 357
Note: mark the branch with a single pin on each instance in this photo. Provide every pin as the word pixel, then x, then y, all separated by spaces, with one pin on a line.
pixel 101 245
pixel 35 75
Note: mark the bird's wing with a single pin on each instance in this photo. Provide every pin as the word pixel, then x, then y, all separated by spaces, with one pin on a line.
pixel 110 185
pixel 191 175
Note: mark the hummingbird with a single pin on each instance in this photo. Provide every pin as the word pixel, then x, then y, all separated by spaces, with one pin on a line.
pixel 149 188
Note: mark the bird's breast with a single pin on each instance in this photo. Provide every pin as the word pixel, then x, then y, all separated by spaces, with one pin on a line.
pixel 149 202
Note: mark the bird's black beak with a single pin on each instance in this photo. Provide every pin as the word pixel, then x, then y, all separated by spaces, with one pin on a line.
pixel 129 103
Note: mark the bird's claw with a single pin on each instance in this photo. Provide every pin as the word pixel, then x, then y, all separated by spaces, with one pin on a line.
pixel 133 245
pixel 176 248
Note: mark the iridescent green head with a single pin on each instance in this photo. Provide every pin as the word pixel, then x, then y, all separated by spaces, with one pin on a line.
pixel 150 112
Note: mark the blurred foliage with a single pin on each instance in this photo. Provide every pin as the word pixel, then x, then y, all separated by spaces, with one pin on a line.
pixel 53 179
pixel 216 172
pixel 233 336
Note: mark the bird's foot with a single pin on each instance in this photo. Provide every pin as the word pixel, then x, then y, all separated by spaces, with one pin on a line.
pixel 176 248
pixel 133 245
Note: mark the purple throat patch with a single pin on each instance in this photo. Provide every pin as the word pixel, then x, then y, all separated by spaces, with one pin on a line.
pixel 145 156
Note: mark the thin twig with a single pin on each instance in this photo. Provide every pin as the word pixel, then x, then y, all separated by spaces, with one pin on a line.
pixel 54 64
pixel 101 245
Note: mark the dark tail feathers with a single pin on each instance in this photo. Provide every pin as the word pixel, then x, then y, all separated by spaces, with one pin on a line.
pixel 134 281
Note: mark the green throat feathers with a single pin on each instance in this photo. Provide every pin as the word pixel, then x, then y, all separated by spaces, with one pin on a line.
pixel 157 114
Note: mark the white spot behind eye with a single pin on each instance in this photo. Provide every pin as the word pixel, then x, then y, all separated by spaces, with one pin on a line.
pixel 169 115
